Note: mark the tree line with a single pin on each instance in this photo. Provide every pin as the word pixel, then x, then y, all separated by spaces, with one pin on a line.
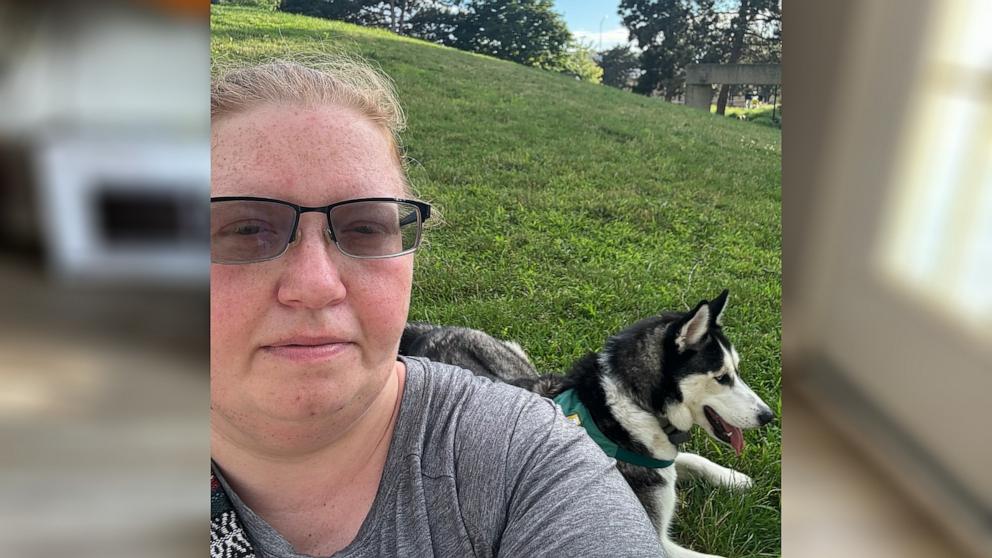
pixel 526 31
pixel 665 35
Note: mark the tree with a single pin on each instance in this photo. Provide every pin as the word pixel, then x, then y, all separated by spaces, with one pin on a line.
pixel 663 30
pixel 390 14
pixel 269 5
pixel 353 11
pixel 578 61
pixel 620 66
pixel 525 31
pixel 436 22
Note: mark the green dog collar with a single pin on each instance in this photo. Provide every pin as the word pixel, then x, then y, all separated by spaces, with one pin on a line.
pixel 576 412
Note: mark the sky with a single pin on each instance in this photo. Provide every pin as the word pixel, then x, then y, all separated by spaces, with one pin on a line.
pixel 584 17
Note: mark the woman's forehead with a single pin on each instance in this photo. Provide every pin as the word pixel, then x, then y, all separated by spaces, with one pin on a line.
pixel 311 153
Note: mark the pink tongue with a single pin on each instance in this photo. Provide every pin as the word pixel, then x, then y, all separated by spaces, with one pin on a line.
pixel 736 439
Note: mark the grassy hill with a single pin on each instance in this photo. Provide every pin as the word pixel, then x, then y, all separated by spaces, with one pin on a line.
pixel 572 210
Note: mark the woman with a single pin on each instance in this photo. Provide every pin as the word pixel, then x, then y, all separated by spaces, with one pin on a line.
pixel 324 441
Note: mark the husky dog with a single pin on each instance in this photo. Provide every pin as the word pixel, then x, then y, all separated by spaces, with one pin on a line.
pixel 637 398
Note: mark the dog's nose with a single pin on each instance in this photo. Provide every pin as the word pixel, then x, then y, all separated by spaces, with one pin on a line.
pixel 765 416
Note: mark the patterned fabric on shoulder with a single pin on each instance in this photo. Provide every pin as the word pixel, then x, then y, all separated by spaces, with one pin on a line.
pixel 228 538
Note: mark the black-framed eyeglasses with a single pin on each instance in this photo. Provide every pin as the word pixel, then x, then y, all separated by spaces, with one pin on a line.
pixel 251 229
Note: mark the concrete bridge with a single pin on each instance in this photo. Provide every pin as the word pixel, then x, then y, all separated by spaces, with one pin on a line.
pixel 700 78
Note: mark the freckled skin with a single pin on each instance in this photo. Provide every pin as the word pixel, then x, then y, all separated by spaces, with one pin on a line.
pixel 314 157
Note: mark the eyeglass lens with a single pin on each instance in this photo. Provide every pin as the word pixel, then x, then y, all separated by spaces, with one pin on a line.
pixel 255 230
pixel 244 231
pixel 372 228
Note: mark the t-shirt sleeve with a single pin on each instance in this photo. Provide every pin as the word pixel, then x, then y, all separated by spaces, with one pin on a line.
pixel 566 497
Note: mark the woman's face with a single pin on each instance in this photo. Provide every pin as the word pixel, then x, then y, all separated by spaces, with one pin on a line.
pixel 313 334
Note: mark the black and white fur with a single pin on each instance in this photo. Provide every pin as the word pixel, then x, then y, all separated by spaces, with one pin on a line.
pixel 674 368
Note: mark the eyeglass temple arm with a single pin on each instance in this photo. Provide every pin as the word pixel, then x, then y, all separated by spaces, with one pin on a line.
pixel 425 213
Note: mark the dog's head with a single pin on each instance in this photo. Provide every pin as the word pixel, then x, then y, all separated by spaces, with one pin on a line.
pixel 682 366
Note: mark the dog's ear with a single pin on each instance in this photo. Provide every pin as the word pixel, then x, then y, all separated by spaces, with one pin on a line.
pixel 693 327
pixel 717 306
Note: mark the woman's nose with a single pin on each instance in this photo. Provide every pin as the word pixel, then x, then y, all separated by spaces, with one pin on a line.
pixel 312 277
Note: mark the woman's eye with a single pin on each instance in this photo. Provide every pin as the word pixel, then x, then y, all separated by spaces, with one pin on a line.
pixel 247 229
pixel 365 229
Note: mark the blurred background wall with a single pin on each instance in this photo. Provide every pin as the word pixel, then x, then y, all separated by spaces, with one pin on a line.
pixel 104 180
pixel 887 193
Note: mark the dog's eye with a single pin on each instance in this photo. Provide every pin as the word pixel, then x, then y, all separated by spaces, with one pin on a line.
pixel 724 379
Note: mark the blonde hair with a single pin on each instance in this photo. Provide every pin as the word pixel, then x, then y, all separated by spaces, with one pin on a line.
pixel 333 80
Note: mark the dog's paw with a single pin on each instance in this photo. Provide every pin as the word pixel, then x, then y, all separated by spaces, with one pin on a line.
pixel 736 480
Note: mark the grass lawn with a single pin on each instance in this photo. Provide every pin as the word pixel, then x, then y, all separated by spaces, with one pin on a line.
pixel 758 115
pixel 571 210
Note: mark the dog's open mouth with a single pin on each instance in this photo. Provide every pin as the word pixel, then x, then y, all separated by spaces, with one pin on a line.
pixel 724 431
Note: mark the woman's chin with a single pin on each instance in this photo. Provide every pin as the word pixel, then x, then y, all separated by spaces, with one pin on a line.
pixel 309 401
pixel 328 395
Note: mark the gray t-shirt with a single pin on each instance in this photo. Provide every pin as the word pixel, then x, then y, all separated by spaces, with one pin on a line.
pixel 477 468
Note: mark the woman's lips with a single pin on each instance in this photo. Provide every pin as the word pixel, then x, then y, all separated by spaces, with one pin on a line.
pixel 310 352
